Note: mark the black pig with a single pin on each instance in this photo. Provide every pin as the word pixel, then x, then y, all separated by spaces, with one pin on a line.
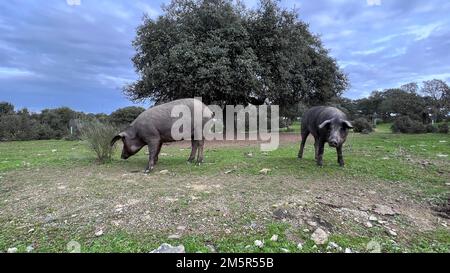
pixel 326 124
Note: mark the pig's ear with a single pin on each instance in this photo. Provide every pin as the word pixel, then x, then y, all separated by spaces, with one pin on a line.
pixel 116 138
pixel 325 123
pixel 347 124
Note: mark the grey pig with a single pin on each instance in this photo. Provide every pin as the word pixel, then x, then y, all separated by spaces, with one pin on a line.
pixel 153 128
pixel 326 124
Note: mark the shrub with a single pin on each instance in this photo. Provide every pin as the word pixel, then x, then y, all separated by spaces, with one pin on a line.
pixel 98 135
pixel 443 128
pixel 362 125
pixel 406 125
pixel 430 128
pixel 124 116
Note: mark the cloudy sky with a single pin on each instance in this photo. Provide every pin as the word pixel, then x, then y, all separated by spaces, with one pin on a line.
pixel 54 53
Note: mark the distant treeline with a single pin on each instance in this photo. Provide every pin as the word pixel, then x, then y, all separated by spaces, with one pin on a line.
pixel 412 109
pixel 56 123
pixel 426 103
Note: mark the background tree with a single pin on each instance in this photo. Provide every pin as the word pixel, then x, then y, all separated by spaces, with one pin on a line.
pixel 58 120
pixel 399 102
pixel 6 108
pixel 439 96
pixel 411 87
pixel 370 107
pixel 124 116
pixel 197 48
pixel 228 54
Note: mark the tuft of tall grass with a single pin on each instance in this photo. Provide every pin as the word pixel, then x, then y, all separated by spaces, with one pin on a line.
pixel 98 136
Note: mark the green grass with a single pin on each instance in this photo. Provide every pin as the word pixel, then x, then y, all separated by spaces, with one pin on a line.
pixel 395 159
pixel 57 240
pixel 384 156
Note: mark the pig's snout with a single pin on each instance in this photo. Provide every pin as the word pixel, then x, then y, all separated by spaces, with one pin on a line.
pixel 124 155
pixel 333 143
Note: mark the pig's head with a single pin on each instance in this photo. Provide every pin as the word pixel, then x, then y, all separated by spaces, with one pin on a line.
pixel 336 130
pixel 132 143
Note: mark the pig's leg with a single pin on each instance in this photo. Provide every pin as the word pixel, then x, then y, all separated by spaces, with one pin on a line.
pixel 340 157
pixel 194 144
pixel 157 153
pixel 302 145
pixel 316 149
pixel 153 153
pixel 320 149
pixel 201 143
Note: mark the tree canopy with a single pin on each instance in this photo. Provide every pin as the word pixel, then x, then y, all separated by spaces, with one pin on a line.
pixel 228 54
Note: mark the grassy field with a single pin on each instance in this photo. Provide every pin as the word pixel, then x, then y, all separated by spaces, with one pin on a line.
pixel 54 192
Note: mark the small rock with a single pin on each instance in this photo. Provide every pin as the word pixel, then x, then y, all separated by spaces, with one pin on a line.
pixel 384 210
pixel 259 243
pixel 391 232
pixel 229 171
pixel 167 248
pixel 248 154
pixel 305 230
pixel 99 233
pixel 12 250
pixel 441 155
pixel 163 154
pixel 174 236
pixel 29 249
pixel 264 171
pixel 333 245
pixel 348 250
pixel 312 223
pixel 182 228
pixel 49 218
pixel 274 238
pixel 368 224
pixel 31 230
pixel 54 151
pixel 319 236
pixel 284 250
pixel 164 172
pixel 248 246
pixel 282 214
pixel 300 246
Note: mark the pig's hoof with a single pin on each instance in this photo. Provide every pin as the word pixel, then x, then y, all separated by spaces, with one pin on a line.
pixel 199 163
pixel 147 171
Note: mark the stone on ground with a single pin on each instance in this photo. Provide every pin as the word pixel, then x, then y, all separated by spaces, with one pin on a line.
pixel 319 236
pixel 167 248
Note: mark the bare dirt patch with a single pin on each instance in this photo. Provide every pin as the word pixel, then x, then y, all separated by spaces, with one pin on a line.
pixel 284 138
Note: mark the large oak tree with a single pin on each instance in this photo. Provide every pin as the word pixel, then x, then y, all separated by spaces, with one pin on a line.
pixel 228 54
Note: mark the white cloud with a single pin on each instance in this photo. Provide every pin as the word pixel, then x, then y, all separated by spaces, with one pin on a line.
pixel 150 11
pixel 113 81
pixel 422 32
pixel 12 72
pixel 374 2
pixel 370 51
